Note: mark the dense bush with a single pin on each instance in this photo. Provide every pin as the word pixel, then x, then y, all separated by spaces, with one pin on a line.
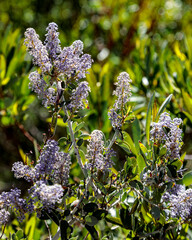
pixel 142 195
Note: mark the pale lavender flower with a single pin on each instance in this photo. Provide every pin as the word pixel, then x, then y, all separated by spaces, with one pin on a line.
pixel 47 195
pixel 53 164
pixel 71 63
pixel 61 169
pixel 95 153
pixel 4 216
pixel 41 88
pixel 167 132
pixel 11 200
pixel 52 41
pixel 123 90
pixel 179 203
pixel 23 171
pixel 79 97
pixel 123 93
pixel 37 50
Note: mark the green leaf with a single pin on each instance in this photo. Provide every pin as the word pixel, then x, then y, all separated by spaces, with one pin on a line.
pixel 100 214
pixel 148 117
pixel 135 205
pixel 125 218
pixel 114 220
pixel 65 229
pixel 79 126
pixel 187 101
pixel 141 163
pixel 136 130
pixel 163 106
pixel 155 211
pixel 92 231
pixel 19 234
pixel 90 207
pixel 127 140
pixel 187 178
pixel 91 220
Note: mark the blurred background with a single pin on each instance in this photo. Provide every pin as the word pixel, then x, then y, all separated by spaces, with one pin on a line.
pixel 151 40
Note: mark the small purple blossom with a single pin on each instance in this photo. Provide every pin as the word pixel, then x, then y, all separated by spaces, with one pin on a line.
pixel 23 171
pixel 12 201
pixel 41 88
pixel 167 132
pixel 47 195
pixel 79 97
pixel 179 202
pixel 95 153
pixel 123 93
pixel 52 41
pixel 37 50
pixel 71 63
pixel 53 164
pixel 4 216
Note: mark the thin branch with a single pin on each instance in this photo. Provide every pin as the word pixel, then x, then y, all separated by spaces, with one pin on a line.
pixel 73 140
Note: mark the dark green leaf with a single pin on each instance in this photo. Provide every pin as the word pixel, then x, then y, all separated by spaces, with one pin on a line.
pixel 125 218
pixel 65 229
pixel 80 142
pixel 92 231
pixel 135 205
pixel 100 214
pixel 155 211
pixel 90 207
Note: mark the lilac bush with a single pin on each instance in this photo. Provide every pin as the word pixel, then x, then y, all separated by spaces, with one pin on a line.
pixel 144 198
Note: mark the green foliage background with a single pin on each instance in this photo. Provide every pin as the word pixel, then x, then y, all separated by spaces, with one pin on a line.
pixel 151 40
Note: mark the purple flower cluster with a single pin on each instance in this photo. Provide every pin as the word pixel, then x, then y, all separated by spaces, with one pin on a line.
pixel 13 202
pixel 67 64
pixel 167 132
pixel 46 196
pixel 79 97
pixel 23 171
pixel 123 93
pixel 179 202
pixel 96 155
pixel 52 164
